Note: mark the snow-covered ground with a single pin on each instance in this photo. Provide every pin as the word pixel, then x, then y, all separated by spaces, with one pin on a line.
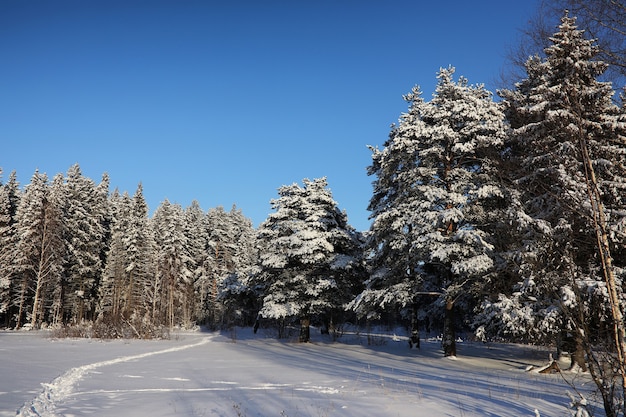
pixel 240 374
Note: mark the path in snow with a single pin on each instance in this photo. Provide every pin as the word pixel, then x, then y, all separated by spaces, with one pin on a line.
pixel 63 387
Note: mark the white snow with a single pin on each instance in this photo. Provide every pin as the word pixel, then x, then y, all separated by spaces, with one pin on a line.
pixel 238 373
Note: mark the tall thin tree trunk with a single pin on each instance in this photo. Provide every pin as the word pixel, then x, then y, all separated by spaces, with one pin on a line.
pixel 602 241
pixel 44 261
pixel 414 337
pixel 130 295
pixel 158 284
pixel 34 316
pixel 58 303
pixel 21 302
pixel 39 282
pixel 39 277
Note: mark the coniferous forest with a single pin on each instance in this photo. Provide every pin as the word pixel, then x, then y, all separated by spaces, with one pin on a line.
pixel 502 216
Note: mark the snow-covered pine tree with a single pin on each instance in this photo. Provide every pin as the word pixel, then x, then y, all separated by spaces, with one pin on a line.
pixel 562 117
pixel 246 252
pixel 128 291
pixel 197 236
pixel 58 199
pixel 310 256
pixel 236 290
pixel 222 245
pixel 173 265
pixel 436 198
pixel 143 286
pixel 84 217
pixel 113 286
pixel 221 259
pixel 39 261
pixel 103 213
pixel 9 201
pixel 29 217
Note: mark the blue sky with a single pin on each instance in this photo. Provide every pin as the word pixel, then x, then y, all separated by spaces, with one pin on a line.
pixel 224 102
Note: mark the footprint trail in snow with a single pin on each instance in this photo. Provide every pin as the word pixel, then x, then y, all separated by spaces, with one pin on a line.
pixel 44 405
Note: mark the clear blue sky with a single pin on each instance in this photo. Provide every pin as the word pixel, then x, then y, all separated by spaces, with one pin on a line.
pixel 225 101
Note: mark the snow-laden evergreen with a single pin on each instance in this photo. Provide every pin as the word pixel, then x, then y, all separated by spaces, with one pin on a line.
pixel 83 215
pixel 238 299
pixel 197 236
pixel 228 252
pixel 310 256
pixel 436 196
pixel 559 110
pixel 9 200
pixel 113 286
pixel 129 286
pixel 39 260
pixel 567 148
pixel 173 266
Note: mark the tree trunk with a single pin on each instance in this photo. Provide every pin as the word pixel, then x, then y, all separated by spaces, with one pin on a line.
pixel 21 302
pixel 59 296
pixel 129 306
pixel 449 335
pixel 34 321
pixel 577 356
pixel 305 329
pixel 281 328
pixel 414 337
pixel 40 277
pixel 602 241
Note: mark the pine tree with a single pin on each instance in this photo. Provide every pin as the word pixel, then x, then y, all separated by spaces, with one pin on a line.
pixel 129 290
pixel 568 144
pixel 221 259
pixel 9 201
pixel 560 100
pixel 142 285
pixel 84 225
pixel 173 265
pixel 58 199
pixel 310 256
pixel 39 261
pixel 197 235
pixel 436 198
pixel 103 212
pixel 237 291
pixel 113 287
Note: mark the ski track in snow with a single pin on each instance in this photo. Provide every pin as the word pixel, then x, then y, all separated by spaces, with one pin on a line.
pixel 44 405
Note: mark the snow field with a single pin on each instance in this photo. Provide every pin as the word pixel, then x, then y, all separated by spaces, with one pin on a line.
pixel 241 374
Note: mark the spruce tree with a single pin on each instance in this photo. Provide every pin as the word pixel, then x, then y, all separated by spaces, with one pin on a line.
pixel 142 291
pixel 173 265
pixel 113 296
pixel 85 239
pixel 221 259
pixel 436 199
pixel 568 148
pixel 197 235
pixel 237 291
pixel 40 249
pixel 310 255
pixel 9 201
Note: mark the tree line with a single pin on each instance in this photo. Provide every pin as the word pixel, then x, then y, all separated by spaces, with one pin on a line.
pixel 505 217
pixel 72 252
